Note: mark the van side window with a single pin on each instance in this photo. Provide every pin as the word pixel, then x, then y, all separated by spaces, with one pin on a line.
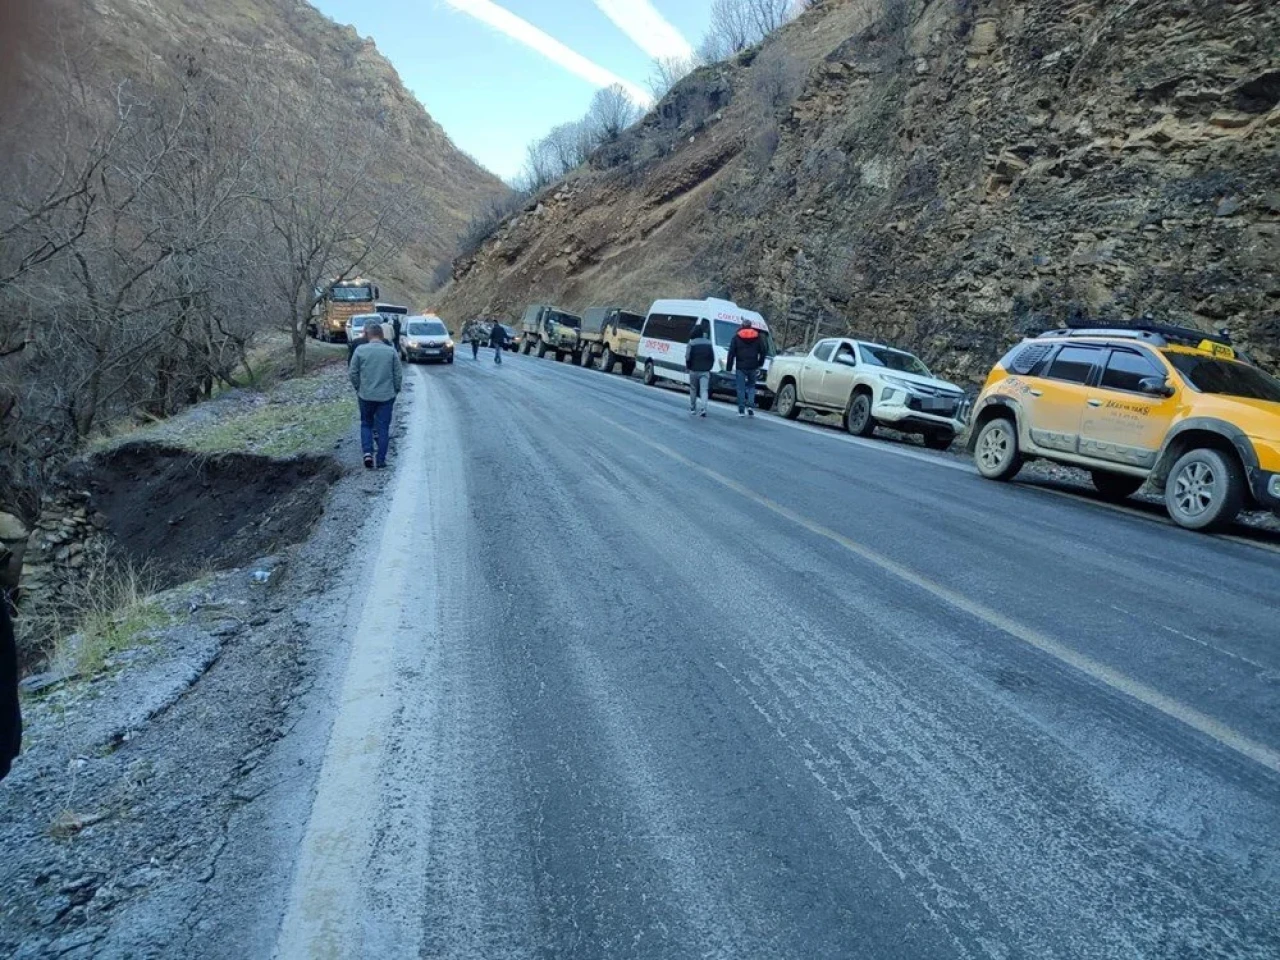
pixel 1127 369
pixel 823 350
pixel 1073 364
pixel 666 326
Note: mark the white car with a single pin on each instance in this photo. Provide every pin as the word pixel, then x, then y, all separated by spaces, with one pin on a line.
pixel 355 325
pixel 427 339
pixel 870 384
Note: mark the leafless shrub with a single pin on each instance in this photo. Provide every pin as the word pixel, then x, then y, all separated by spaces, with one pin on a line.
pixel 778 78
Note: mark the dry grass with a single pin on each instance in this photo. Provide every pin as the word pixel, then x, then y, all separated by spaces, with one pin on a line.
pixel 108 609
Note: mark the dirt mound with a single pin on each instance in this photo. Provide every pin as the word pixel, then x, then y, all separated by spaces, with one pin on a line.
pixel 182 513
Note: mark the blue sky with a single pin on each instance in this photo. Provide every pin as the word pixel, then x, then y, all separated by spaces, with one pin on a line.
pixel 494 94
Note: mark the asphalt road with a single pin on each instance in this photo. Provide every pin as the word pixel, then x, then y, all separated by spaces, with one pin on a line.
pixel 628 684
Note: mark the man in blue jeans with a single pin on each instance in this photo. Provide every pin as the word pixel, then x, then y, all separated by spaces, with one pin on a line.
pixel 377 376
pixel 747 356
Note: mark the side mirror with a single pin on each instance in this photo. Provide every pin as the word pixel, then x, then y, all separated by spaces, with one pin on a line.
pixel 1156 386
pixel 846 360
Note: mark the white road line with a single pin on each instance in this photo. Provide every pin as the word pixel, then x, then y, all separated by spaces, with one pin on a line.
pixel 326 911
pixel 1097 671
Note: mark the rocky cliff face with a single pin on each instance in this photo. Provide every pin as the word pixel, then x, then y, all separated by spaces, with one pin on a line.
pixel 942 174
pixel 289 47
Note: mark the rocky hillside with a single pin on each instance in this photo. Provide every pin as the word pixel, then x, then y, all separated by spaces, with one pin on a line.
pixel 944 175
pixel 289 48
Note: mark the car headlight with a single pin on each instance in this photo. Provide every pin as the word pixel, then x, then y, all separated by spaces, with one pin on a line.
pixel 905 385
pixel 449 344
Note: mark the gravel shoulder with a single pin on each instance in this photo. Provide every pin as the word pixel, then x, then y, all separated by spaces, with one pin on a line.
pixel 173 778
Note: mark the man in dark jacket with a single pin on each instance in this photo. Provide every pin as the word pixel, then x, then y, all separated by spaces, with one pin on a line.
pixel 10 710
pixel 746 356
pixel 497 340
pixel 699 359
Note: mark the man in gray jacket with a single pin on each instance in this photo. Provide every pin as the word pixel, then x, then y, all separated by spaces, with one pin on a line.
pixel 377 376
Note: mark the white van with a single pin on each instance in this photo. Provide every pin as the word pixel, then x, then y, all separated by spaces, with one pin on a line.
pixel 666 333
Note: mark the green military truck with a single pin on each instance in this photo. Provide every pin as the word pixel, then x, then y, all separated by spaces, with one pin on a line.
pixel 546 329
pixel 613 335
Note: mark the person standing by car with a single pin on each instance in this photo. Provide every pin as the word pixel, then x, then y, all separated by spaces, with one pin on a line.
pixel 472 333
pixel 746 356
pixel 497 340
pixel 699 359
pixel 377 376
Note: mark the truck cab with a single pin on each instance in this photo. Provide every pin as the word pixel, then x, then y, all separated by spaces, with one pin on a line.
pixel 549 329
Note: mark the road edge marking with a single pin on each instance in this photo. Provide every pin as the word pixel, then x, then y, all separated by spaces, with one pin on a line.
pixel 323 910
pixel 1099 672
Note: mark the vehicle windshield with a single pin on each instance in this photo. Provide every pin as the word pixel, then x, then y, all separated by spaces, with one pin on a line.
pixel 631 321
pixel 1230 378
pixel 352 294
pixel 427 328
pixel 564 319
pixel 359 320
pixel 898 360
pixel 727 329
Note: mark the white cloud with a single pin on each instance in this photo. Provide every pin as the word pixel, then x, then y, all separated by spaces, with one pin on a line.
pixel 648 28
pixel 524 32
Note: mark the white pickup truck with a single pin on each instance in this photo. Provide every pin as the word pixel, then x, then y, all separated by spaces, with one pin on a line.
pixel 869 384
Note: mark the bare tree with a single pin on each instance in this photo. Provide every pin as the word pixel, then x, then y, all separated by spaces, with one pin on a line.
pixel 612 111
pixel 570 144
pixel 319 219
pixel 540 167
pixel 732 29
pixel 739 24
pixel 766 16
pixel 667 72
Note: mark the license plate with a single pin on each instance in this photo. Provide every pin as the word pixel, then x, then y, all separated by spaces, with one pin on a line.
pixel 939 406
pixel 431 350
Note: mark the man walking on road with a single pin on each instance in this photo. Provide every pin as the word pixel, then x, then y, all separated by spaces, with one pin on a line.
pixel 377 376
pixel 497 340
pixel 746 355
pixel 699 358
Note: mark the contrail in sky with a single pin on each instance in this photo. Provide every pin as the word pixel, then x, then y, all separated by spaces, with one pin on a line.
pixel 522 31
pixel 648 28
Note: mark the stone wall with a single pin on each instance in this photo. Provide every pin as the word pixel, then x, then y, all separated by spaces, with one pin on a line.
pixel 66 546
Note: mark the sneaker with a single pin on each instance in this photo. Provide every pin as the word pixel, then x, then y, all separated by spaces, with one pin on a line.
pixel 382 466
pixel 742 413
pixel 703 413
pixel 751 413
pixel 368 461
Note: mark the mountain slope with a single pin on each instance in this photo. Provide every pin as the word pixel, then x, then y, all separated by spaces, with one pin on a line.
pixel 290 47
pixel 938 174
